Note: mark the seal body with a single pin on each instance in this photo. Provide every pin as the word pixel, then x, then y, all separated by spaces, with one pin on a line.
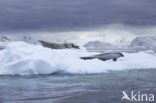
pixel 58 46
pixel 105 56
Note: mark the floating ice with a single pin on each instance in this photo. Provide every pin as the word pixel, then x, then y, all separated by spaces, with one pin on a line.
pixel 27 59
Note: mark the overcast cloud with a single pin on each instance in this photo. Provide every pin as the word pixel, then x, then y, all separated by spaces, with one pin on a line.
pixel 62 14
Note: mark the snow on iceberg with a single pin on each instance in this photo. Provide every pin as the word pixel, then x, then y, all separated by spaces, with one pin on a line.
pixel 27 59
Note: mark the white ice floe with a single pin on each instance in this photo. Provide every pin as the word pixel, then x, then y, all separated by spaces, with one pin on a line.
pixel 27 59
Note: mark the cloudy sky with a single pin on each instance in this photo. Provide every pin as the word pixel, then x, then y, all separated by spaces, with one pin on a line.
pixel 29 15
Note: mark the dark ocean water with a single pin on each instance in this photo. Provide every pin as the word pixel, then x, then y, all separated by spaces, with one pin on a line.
pixel 74 88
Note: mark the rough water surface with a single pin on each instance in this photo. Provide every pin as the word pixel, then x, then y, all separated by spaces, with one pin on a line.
pixel 69 88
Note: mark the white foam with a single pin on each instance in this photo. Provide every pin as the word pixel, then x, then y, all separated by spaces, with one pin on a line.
pixel 26 59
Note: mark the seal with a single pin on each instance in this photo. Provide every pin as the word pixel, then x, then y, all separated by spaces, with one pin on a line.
pixel 58 46
pixel 105 56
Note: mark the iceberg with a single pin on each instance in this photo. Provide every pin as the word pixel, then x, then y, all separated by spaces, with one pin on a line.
pixel 147 42
pixel 97 44
pixel 20 58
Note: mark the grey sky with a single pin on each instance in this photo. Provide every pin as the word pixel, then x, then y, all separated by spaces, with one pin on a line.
pixel 63 14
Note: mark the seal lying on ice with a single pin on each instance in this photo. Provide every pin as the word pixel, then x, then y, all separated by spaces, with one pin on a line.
pixel 58 46
pixel 105 56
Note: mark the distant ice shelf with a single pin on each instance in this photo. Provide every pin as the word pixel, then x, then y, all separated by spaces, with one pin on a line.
pixel 138 44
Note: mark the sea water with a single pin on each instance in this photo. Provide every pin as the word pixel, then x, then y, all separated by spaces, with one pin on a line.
pixel 69 88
